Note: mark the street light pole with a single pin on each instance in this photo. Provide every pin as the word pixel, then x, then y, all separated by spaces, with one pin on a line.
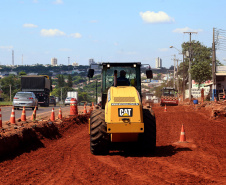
pixel 174 72
pixel 189 69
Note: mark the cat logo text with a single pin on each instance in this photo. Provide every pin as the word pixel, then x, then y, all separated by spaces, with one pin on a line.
pixel 125 112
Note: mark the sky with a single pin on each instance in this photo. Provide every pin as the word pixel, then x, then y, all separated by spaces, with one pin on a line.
pixel 105 30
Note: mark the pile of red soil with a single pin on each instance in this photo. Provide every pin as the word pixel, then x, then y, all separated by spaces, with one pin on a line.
pixel 17 139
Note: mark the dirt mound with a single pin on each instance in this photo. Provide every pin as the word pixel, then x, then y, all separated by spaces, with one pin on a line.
pixel 19 139
pixel 73 122
pixel 25 137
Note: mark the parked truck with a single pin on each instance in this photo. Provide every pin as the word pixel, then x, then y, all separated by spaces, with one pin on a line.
pixel 40 85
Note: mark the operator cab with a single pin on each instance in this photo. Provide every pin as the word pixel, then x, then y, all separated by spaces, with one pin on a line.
pixel 112 76
pixel 169 91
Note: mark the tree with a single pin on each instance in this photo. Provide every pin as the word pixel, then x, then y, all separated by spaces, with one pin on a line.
pixel 22 73
pixel 57 92
pixel 158 89
pixel 5 86
pixel 159 76
pixel 60 80
pixel 69 81
pixel 83 96
pixel 201 62
pixel 171 67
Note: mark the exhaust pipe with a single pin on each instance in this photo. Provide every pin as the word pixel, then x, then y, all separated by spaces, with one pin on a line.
pixel 115 78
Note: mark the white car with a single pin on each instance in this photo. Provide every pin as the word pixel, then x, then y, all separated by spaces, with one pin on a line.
pixel 67 101
pixel 25 99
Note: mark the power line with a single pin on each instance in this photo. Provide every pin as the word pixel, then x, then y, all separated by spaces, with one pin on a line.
pixel 220 39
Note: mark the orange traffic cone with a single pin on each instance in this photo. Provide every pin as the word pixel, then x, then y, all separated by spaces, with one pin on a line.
pixel 165 110
pixel 0 118
pixel 23 115
pixel 92 105
pixel 33 116
pixel 52 118
pixel 182 134
pixel 60 114
pixel 12 118
pixel 85 111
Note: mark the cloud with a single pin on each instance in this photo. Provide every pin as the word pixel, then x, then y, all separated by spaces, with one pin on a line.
pixel 186 29
pixel 76 35
pixel 58 2
pixel 152 17
pixel 96 41
pixel 8 48
pixel 93 21
pixel 122 52
pixel 35 1
pixel 163 49
pixel 116 44
pixel 64 49
pixel 52 32
pixel 30 26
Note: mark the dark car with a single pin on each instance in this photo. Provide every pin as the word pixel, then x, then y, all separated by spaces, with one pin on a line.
pixel 52 100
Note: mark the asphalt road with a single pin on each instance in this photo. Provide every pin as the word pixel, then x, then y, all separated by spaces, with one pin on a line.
pixel 40 113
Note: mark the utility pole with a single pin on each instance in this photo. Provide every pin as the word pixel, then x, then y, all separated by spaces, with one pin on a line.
pixel 174 73
pixel 10 92
pixel 214 66
pixel 61 96
pixel 183 79
pixel 189 70
pixel 178 88
pixel 177 78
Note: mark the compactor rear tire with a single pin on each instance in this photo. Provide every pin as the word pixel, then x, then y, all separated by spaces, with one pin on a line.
pixel 99 138
pixel 148 138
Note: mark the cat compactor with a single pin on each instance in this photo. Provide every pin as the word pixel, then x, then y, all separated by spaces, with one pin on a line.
pixel 122 117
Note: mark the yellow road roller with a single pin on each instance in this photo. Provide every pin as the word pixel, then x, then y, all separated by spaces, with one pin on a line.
pixel 121 116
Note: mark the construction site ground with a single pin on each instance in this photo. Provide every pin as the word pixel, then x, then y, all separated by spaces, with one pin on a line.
pixel 60 153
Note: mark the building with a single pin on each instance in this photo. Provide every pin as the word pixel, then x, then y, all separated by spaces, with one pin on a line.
pixel 53 61
pixel 158 62
pixel 220 89
pixel 75 64
pixel 91 61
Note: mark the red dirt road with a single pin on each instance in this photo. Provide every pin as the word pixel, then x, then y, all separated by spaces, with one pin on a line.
pixel 68 160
